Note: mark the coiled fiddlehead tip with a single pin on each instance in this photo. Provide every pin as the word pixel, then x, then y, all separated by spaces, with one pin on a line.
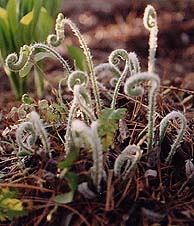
pixel 53 40
pixel 15 63
pixel 130 87
pixel 77 78
pixel 60 17
pixel 116 55
pixel 56 39
pixel 150 17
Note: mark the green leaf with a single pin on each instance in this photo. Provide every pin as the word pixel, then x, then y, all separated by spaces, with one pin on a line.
pixel 72 156
pixel 64 198
pixel 42 55
pixel 10 205
pixel 44 25
pixel 77 55
pixel 108 124
pixel 5 29
pixel 39 80
pixel 27 19
pixel 26 70
pixel 24 153
pixel 3 14
pixel 12 17
pixel 72 180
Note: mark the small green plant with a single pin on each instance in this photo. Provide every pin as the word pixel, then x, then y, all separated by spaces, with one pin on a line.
pixel 10 205
pixel 23 22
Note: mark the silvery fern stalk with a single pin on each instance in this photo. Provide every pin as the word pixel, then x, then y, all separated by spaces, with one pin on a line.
pixel 85 191
pixel 82 98
pixel 189 168
pixel 131 89
pixel 103 68
pixel 134 65
pixel 86 51
pixel 89 135
pixel 35 128
pixel 40 130
pixel 107 67
pixel 180 132
pixel 26 127
pixel 114 59
pixel 76 82
pixel 128 157
pixel 52 51
pixel 150 23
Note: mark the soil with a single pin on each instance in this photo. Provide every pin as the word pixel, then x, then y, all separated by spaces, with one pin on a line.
pixel 165 199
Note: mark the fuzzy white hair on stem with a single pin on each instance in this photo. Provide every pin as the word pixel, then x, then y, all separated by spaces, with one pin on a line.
pixel 26 127
pixel 132 88
pixel 34 128
pixel 40 130
pixel 128 157
pixel 15 63
pixel 76 83
pixel 150 23
pixel 180 132
pixel 114 59
pixel 56 39
pixel 134 65
pixel 89 135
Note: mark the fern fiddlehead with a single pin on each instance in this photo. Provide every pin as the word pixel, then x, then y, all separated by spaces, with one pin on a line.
pixel 114 59
pixel 54 53
pixel 180 132
pixel 131 89
pixel 134 65
pixel 14 63
pixel 150 23
pixel 89 135
pixel 40 130
pixel 86 51
pixel 35 128
pixel 26 127
pixel 130 155
pixel 56 39
pixel 26 57
pixel 76 83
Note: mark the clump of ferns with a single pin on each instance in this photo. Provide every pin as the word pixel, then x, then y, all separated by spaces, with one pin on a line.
pixel 79 132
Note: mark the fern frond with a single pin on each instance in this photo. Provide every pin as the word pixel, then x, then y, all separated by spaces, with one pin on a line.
pixel 180 132
pixel 132 89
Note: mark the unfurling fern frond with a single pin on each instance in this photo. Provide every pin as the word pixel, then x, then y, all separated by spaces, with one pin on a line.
pixel 180 132
pixel 127 160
